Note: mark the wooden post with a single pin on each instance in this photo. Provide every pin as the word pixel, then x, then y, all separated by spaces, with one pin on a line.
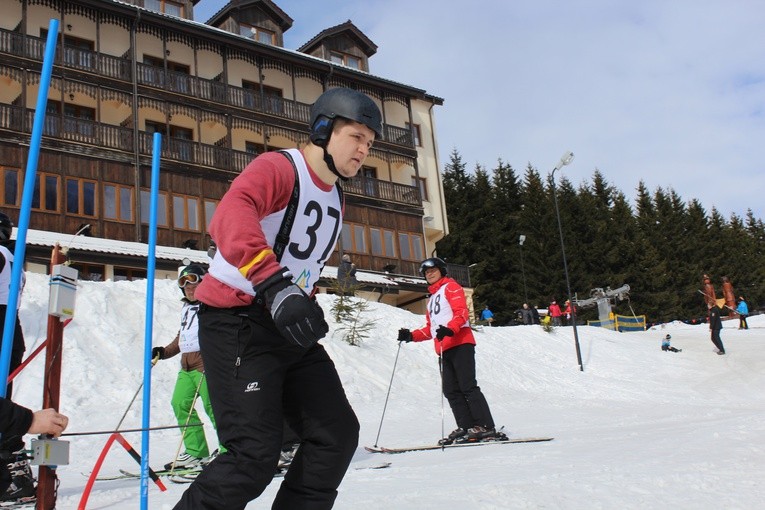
pixel 46 485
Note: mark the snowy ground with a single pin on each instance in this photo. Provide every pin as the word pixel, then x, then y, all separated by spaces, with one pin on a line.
pixel 639 428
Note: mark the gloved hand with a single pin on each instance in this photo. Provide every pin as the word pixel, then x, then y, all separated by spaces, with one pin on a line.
pixel 158 353
pixel 442 332
pixel 297 317
pixel 404 335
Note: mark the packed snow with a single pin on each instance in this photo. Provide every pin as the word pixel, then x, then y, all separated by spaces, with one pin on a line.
pixel 638 428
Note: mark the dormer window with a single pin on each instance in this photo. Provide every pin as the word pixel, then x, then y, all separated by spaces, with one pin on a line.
pixel 345 59
pixel 166 6
pixel 257 34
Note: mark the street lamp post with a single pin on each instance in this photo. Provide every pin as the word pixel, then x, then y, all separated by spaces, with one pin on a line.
pixel 565 160
pixel 521 239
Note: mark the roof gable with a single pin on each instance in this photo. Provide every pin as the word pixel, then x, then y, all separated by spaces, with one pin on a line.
pixel 347 29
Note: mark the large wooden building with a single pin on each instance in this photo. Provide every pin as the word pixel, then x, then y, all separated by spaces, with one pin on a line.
pixel 220 93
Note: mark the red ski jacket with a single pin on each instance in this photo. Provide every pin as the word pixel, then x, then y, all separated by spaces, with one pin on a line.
pixel 446 307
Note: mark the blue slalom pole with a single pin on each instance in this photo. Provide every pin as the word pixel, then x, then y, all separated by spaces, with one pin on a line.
pixel 150 270
pixel 26 204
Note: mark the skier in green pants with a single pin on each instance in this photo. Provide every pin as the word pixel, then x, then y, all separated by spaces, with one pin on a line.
pixel 191 383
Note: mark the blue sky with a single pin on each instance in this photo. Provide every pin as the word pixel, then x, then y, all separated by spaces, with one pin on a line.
pixel 670 92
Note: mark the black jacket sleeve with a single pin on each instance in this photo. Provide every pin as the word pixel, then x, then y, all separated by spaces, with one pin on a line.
pixel 15 420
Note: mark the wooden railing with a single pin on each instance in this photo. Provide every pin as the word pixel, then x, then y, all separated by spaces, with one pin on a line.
pixel 156 77
pixel 384 190
pixel 107 136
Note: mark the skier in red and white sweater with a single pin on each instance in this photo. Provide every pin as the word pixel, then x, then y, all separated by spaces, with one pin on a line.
pixel 448 323
pixel 259 324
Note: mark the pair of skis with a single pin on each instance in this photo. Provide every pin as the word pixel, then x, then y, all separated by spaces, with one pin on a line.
pixel 381 449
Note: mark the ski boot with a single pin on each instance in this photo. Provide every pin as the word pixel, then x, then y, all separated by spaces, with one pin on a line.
pixel 22 489
pixel 454 436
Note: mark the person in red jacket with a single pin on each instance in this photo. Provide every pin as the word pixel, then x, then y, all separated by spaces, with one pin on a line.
pixel 448 324
pixel 555 313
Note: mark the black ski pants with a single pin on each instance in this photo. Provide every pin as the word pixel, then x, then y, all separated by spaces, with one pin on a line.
pixel 257 380
pixel 717 340
pixel 13 443
pixel 461 389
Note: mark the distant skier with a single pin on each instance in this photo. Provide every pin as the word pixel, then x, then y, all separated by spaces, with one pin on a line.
pixel 715 325
pixel 448 325
pixel 743 312
pixel 665 344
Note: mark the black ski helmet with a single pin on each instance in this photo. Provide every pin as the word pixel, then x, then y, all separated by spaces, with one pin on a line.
pixel 433 262
pixel 347 104
pixel 6 227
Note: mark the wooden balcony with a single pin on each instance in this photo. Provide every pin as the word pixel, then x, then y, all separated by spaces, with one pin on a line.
pixel 109 137
pixel 120 68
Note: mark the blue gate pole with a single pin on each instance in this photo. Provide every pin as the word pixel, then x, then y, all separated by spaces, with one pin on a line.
pixel 26 204
pixel 150 270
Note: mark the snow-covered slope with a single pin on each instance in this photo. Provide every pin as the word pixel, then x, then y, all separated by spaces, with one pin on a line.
pixel 639 428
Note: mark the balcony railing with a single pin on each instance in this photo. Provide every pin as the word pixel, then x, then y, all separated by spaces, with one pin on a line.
pixel 110 137
pixel 15 43
pixel 384 190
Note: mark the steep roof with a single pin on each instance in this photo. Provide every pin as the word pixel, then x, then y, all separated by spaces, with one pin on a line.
pixel 279 16
pixel 367 46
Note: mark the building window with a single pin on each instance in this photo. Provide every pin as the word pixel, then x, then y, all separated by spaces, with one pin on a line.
pixel 166 6
pixel 416 136
pixel 180 141
pixel 10 186
pixel 353 238
pixel 345 59
pixel 382 241
pixel 161 208
pixel 273 100
pixel 254 148
pixel 411 246
pixel 45 197
pixel 422 184
pixel 185 212
pixel 210 207
pixel 81 197
pixel 118 202
pixel 128 273
pixel 89 272
pixel 257 34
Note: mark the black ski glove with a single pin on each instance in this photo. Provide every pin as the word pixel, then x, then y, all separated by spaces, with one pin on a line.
pixel 298 318
pixel 158 353
pixel 404 335
pixel 442 332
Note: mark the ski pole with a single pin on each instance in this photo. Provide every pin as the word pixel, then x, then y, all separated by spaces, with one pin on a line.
pixel 185 426
pixel 441 372
pixel 153 362
pixel 388 394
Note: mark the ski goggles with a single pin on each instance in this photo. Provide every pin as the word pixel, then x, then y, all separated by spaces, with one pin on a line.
pixel 189 278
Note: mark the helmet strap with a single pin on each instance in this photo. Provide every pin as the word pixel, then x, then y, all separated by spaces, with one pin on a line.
pixel 331 162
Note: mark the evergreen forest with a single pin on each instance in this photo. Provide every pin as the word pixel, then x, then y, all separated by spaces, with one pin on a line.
pixel 661 247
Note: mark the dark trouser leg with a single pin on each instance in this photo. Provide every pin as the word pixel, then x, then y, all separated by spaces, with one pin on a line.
pixel 245 365
pixel 454 396
pixel 14 443
pixel 717 340
pixel 317 409
pixel 461 360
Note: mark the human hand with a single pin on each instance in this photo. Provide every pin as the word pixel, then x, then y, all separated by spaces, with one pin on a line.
pixel 157 353
pixel 298 318
pixel 442 332
pixel 48 421
pixel 404 335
